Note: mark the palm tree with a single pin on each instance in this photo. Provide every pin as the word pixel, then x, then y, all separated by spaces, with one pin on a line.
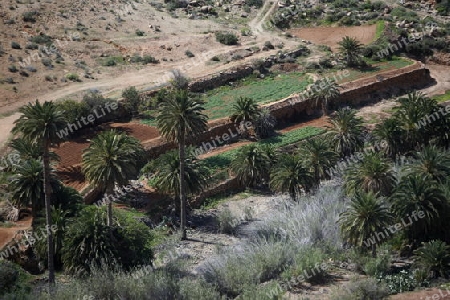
pixel 251 165
pixel 42 123
pixel 318 157
pixel 168 174
pixel 181 117
pixel 264 123
pixel 28 186
pixel 289 175
pixel 323 91
pixel 390 133
pixel 432 162
pixel 351 49
pixel 111 159
pixel 416 194
pixel 372 174
pixel 413 109
pixel 346 132
pixel 367 215
pixel 244 109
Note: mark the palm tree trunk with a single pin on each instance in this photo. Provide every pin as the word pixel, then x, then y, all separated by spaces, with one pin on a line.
pixel 48 193
pixel 182 186
pixel 109 215
pixel 374 250
pixel 324 108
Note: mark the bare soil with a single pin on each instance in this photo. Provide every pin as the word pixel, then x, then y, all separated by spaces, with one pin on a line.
pixel 330 36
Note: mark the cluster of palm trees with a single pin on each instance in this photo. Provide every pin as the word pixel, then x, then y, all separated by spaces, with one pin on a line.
pixel 111 160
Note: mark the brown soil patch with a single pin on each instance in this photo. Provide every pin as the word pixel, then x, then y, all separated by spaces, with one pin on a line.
pixel 422 295
pixel 330 36
pixel 69 167
pixel 7 234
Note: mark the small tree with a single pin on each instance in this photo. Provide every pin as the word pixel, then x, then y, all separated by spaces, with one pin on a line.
pixel 351 49
pixel 132 99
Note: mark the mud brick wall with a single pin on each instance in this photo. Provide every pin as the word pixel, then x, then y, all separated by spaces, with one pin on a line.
pixel 219 79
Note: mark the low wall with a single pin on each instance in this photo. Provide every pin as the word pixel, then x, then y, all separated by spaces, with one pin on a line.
pixel 219 79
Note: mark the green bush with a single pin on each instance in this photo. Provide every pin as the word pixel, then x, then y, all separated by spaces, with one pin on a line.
pixel 13 69
pixel 255 3
pixel 189 53
pixel 379 265
pixel 310 265
pixel 226 38
pixel 89 242
pixel 131 98
pixel 148 59
pixel 29 16
pixel 73 77
pixel 12 278
pixel 443 8
pixel 139 32
pixel 15 45
pixel 42 39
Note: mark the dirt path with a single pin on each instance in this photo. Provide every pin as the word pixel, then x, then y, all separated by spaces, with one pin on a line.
pixel 7 234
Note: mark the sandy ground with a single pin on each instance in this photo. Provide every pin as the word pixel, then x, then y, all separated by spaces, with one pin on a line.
pixel 7 234
pixel 330 36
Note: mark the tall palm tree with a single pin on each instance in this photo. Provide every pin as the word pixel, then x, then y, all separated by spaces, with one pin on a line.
pixel 318 157
pixel 251 165
pixel 365 217
pixel 289 175
pixel 111 160
pixel 372 174
pixel 244 109
pixel 420 194
pixel 432 162
pixel 323 91
pixel 351 49
pixel 346 132
pixel 42 123
pixel 168 174
pixel 180 117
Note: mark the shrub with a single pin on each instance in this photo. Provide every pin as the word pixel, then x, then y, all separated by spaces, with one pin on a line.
pixel 309 265
pixel 215 58
pixel 226 38
pixel 32 46
pixel 434 257
pixel 148 59
pixel 189 53
pixel 269 45
pixel 15 45
pixel 41 39
pixel 73 110
pixel 23 73
pixel 235 271
pixel 227 221
pixel 361 289
pixel 139 32
pixel 30 16
pixel 379 265
pixel 132 98
pixel 31 69
pixel 12 278
pixel 89 242
pixel 255 3
pixel 73 77
pixel 47 62
pixel 12 69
